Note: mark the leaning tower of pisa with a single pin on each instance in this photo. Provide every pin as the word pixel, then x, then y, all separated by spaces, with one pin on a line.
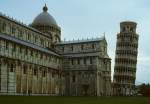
pixel 125 59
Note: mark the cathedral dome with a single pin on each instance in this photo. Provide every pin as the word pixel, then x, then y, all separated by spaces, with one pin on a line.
pixel 44 19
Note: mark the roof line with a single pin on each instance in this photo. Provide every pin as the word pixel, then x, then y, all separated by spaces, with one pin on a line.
pixel 21 23
pixel 81 41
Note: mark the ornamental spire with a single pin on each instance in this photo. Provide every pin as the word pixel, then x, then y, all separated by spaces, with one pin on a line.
pixel 104 35
pixel 45 8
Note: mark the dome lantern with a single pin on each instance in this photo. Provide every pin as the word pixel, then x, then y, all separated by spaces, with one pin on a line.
pixel 45 8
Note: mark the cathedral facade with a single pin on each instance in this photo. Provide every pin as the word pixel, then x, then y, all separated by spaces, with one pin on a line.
pixel 34 60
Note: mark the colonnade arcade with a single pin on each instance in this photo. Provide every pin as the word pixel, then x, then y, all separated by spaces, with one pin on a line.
pixel 24 78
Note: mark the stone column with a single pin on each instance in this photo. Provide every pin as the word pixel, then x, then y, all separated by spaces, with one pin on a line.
pixel 50 74
pixel 42 81
pixel 49 81
pixel 33 81
pixel 27 75
pixel 4 76
pixel 46 80
pixel 39 80
pixel 21 77
pixel 18 78
pixel 30 80
pixel 11 77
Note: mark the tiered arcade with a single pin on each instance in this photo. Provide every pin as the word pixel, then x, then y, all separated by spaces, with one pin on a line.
pixel 126 59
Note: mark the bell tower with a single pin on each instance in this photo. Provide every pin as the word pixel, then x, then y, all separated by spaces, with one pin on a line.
pixel 125 60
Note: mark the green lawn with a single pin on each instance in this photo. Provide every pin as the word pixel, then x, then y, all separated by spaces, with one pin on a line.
pixel 72 100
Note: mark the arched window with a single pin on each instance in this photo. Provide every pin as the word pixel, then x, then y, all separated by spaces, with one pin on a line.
pixel 78 61
pixel 71 48
pixel 11 68
pixel 44 73
pixel 73 78
pixel 131 29
pixel 24 69
pixel 84 61
pixel 4 26
pixel 13 30
pixel 72 62
pixel 35 71
pixel 82 47
pixel 91 60
pixel 123 29
pixel 93 46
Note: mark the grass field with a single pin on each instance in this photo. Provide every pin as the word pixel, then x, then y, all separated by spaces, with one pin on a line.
pixel 72 100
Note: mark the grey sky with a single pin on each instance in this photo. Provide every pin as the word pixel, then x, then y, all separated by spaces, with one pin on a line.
pixel 91 18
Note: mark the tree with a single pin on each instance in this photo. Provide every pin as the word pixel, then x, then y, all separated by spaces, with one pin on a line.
pixel 144 89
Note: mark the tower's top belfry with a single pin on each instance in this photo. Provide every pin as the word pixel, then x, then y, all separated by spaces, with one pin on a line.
pixel 128 26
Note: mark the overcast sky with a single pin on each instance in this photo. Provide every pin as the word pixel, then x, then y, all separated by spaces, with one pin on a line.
pixel 91 18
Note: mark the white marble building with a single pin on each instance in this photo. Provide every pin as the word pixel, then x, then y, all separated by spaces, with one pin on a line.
pixel 126 60
pixel 34 60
